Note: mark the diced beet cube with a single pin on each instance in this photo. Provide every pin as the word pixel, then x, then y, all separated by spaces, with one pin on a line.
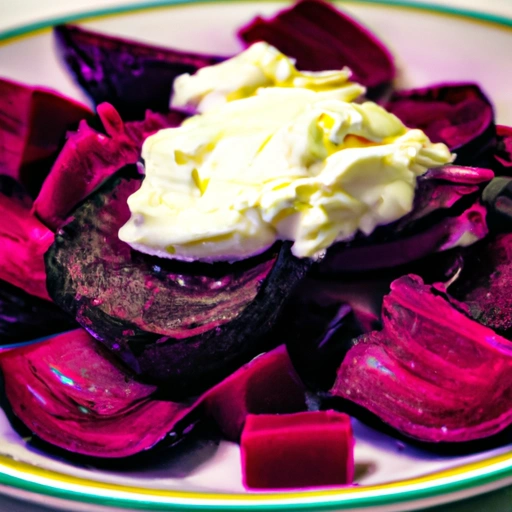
pixel 307 449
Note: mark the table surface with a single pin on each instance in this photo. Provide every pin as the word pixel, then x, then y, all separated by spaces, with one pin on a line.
pixel 20 12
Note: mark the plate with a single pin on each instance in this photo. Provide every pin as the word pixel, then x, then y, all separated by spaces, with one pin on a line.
pixel 430 43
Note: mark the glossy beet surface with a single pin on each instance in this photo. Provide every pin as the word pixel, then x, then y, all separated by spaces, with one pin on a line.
pixel 23 240
pixel 72 393
pixel 33 125
pixel 183 325
pixel 321 37
pixel 130 75
pixel 432 373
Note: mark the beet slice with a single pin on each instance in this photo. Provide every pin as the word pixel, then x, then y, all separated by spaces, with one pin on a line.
pixel 25 317
pixel 485 284
pixel 447 212
pixel 72 393
pixel 431 373
pixel 266 385
pixel 308 449
pixel 182 324
pixel 321 37
pixel 502 164
pixel 33 124
pixel 130 75
pixel 90 157
pixel 458 114
pixel 23 239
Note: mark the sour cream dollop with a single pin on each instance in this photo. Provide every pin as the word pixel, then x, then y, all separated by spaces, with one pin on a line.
pixel 295 163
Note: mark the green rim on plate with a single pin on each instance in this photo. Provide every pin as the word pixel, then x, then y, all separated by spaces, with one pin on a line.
pixel 483 474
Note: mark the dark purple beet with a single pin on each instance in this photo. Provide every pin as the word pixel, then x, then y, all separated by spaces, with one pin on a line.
pixel 180 324
pixel 446 208
pixel 130 75
pixel 321 37
pixel 25 317
pixel 485 283
pixel 33 123
pixel 289 451
pixel 72 393
pixel 458 114
pixel 266 385
pixel 90 157
pixel 432 373
pixel 23 240
pixel 502 164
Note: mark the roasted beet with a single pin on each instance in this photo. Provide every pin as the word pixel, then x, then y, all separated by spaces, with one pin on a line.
pixel 186 325
pixel 133 76
pixel 432 373
pixel 308 449
pixel 458 114
pixel 33 123
pixel 25 317
pixel 23 240
pixel 72 393
pixel 266 385
pixel 485 284
pixel 502 163
pixel 321 37
pixel 446 213
pixel 90 157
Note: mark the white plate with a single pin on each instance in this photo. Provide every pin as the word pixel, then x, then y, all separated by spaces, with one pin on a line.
pixel 431 44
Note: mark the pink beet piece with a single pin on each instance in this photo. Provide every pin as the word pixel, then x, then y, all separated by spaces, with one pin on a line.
pixel 23 242
pixel 89 158
pixel 266 385
pixel 33 124
pixel 320 37
pixel 432 372
pixel 308 449
pixel 70 392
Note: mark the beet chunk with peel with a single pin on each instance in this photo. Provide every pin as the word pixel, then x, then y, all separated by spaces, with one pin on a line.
pixel 321 37
pixel 23 240
pixel 33 124
pixel 458 114
pixel 309 449
pixel 186 325
pixel 70 392
pixel 266 385
pixel 431 373
pixel 130 75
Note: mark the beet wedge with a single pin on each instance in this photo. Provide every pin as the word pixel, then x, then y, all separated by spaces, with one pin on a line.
pixel 90 157
pixel 130 75
pixel 70 392
pixel 447 213
pixel 23 240
pixel 33 125
pixel 432 373
pixel 320 38
pixel 458 114
pixel 182 324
